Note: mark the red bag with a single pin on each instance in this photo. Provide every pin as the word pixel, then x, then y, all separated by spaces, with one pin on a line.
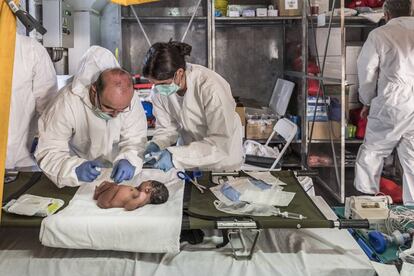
pixel 389 187
pixel 361 128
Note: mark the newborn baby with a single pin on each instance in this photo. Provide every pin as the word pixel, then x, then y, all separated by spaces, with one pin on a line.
pixel 112 195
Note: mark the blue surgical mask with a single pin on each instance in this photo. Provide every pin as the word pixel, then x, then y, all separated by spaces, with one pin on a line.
pixel 166 89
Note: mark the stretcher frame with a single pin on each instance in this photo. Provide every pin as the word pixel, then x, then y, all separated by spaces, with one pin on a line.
pixel 198 210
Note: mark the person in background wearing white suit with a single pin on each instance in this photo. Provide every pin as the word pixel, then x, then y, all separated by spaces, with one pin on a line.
pixel 386 77
pixel 96 120
pixel 196 122
pixel 34 86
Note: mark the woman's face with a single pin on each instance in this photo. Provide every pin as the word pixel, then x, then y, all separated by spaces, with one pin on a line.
pixel 178 79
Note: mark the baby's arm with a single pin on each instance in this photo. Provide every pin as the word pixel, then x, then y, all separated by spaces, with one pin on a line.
pixel 132 204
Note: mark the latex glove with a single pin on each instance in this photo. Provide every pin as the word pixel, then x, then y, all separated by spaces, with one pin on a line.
pixel 165 161
pixel 123 170
pixel 151 148
pixel 88 171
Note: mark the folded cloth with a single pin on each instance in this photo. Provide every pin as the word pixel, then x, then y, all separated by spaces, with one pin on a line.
pixel 151 228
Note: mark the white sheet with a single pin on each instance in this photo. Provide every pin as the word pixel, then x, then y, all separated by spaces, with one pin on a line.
pixel 151 228
pixel 279 252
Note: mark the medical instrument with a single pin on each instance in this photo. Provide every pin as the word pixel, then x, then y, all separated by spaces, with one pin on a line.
pixel 373 208
pixel 380 241
pixel 196 175
pixel 183 176
pixel 154 156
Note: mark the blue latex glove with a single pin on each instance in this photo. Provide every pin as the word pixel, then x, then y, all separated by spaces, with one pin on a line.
pixel 123 170
pixel 87 171
pixel 165 161
pixel 151 148
pixel 230 192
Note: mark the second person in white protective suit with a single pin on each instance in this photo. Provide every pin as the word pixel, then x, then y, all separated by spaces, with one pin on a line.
pixel 34 86
pixel 94 121
pixel 386 77
pixel 194 109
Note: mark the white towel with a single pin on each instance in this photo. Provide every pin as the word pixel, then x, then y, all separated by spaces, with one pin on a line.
pixel 151 228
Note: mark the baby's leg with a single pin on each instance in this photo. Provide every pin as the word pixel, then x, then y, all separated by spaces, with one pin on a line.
pixel 105 198
pixel 102 188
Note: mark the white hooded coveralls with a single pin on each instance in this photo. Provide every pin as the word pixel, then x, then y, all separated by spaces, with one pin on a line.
pixel 203 121
pixel 34 86
pixel 70 132
pixel 386 77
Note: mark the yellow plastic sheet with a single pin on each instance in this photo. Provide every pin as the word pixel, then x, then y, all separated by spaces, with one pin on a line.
pixel 132 2
pixel 7 41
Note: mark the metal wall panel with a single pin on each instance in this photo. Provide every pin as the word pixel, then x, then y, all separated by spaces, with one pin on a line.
pixel 134 45
pixel 250 58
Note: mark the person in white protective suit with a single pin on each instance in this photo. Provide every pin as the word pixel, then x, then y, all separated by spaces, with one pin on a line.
pixel 95 122
pixel 194 109
pixel 34 86
pixel 386 77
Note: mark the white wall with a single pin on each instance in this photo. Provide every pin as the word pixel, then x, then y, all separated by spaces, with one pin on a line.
pixel 86 31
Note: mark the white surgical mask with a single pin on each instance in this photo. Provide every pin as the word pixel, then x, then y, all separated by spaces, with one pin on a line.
pixel 98 112
pixel 167 89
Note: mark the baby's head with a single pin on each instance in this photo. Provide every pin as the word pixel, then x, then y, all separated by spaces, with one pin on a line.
pixel 156 191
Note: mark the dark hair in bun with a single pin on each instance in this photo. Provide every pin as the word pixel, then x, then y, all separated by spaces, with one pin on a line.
pixel 164 59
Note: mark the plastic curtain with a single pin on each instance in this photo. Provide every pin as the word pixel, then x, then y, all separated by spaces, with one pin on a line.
pixel 7 41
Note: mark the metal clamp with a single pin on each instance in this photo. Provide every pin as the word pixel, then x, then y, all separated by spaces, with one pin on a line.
pixel 242 248
pixel 234 232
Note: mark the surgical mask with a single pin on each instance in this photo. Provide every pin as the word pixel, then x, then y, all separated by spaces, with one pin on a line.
pixel 100 114
pixel 167 89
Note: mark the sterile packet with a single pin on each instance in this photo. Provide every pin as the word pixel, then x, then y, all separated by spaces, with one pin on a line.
pixel 31 205
pixel 244 208
pixel 269 197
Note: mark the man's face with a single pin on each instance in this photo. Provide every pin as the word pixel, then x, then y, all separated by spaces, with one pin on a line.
pixel 116 96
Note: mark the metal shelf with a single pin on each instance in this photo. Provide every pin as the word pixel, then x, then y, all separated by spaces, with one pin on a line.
pixel 164 18
pixel 350 21
pixel 347 141
pixel 252 21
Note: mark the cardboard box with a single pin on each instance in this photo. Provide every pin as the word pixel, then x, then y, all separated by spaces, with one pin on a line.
pixel 289 7
pixel 259 129
pixel 321 130
pixel 351 57
pixel 242 114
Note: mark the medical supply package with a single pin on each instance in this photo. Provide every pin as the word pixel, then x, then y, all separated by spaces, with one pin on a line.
pixel 31 205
